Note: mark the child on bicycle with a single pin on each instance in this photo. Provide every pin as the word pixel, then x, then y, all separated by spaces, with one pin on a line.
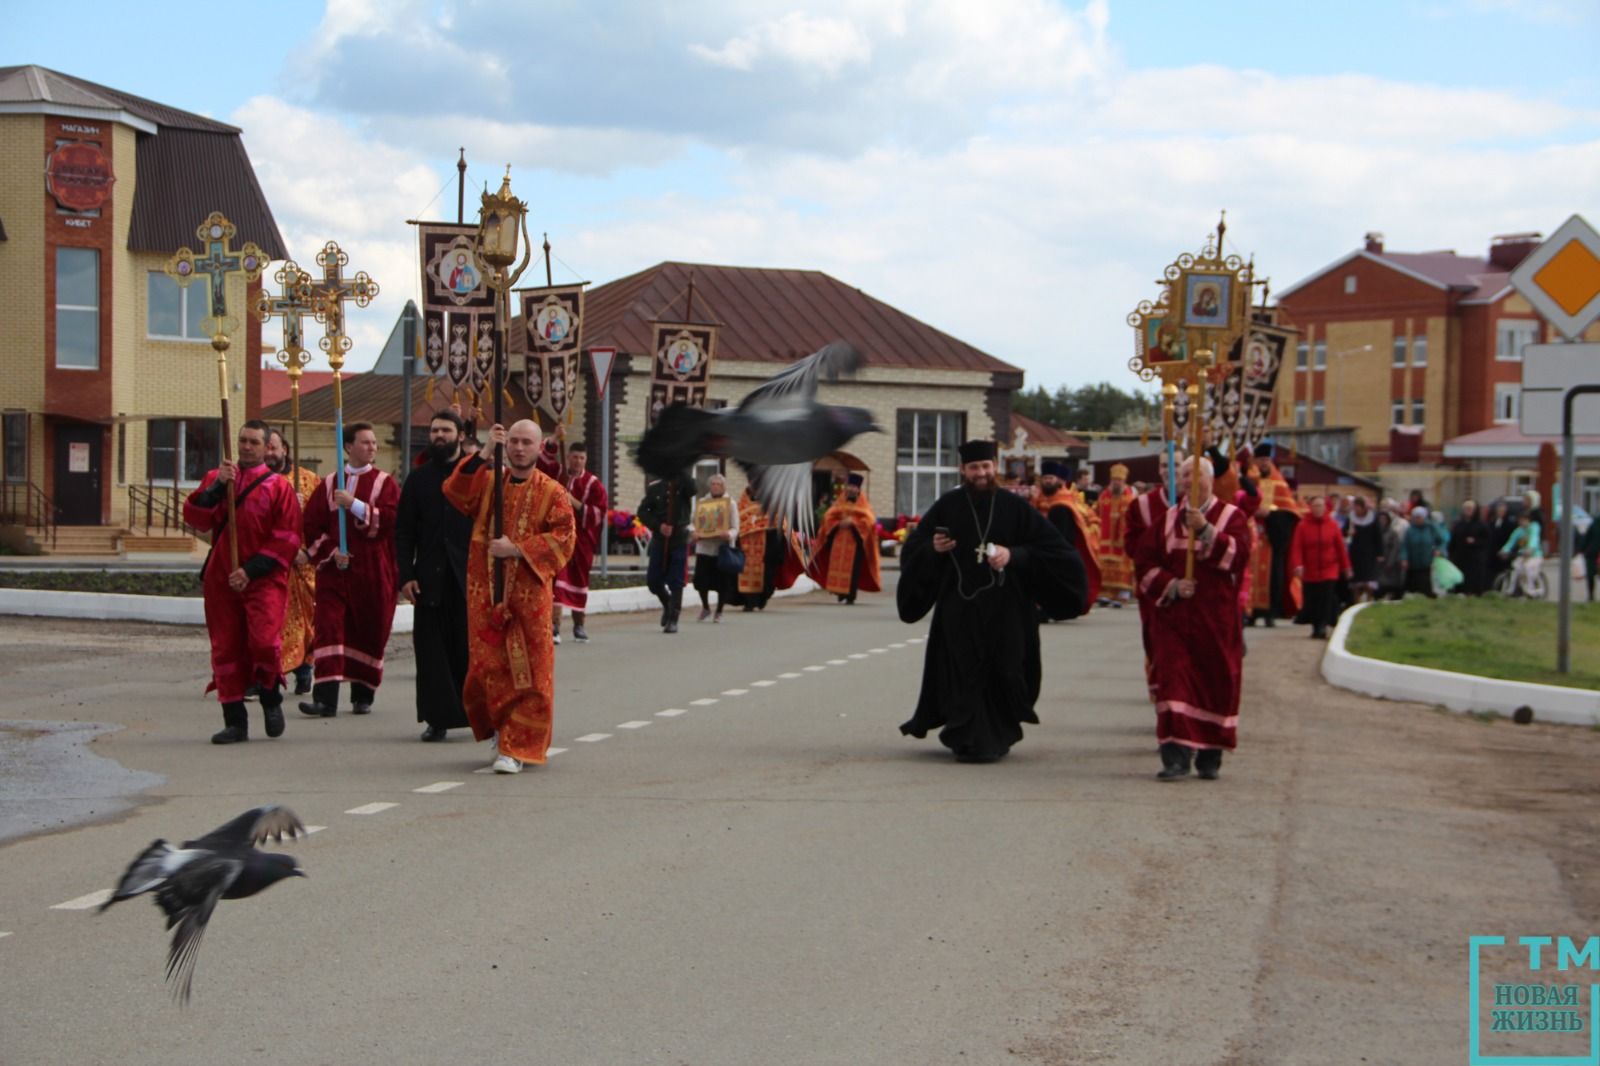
pixel 1526 547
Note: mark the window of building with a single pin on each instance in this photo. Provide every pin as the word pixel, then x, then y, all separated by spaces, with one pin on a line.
pixel 1302 355
pixel 1416 412
pixel 176 312
pixel 1319 414
pixel 1300 414
pixel 1521 482
pixel 1419 350
pixel 1322 355
pixel 1589 494
pixel 1399 350
pixel 14 440
pixel 78 308
pixel 1349 284
pixel 927 457
pixel 189 446
pixel 1507 403
pixel 1397 413
pixel 1512 335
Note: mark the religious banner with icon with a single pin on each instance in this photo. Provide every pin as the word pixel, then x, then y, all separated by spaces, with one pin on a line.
pixel 1239 409
pixel 457 307
pixel 680 370
pixel 553 320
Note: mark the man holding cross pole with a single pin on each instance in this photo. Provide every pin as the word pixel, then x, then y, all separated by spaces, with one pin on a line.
pixel 245 599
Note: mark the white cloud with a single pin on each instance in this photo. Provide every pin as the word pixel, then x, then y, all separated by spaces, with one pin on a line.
pixel 807 42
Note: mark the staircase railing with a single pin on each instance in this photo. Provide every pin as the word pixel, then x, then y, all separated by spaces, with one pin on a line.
pixel 23 503
pixel 154 508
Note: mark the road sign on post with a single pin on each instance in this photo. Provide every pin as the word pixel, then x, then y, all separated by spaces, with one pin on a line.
pixel 1561 279
pixel 1548 371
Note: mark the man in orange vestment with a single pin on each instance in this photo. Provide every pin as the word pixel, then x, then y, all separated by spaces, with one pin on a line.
pixel 766 546
pixel 295 656
pixel 1054 491
pixel 510 689
pixel 846 561
pixel 1116 568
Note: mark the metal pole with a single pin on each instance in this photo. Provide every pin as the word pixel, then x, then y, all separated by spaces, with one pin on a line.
pixel 408 363
pixel 461 187
pixel 1569 463
pixel 500 299
pixel 605 466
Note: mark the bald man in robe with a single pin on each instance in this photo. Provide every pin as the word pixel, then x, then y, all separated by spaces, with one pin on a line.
pixel 510 688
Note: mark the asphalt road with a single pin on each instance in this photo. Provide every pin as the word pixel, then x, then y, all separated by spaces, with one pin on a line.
pixel 738 859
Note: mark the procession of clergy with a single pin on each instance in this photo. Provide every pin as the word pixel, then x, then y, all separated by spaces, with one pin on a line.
pixel 313 592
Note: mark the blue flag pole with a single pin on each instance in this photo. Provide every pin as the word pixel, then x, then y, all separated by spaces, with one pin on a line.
pixel 338 452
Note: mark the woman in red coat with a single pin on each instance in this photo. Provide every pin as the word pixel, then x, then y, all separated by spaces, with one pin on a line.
pixel 1317 556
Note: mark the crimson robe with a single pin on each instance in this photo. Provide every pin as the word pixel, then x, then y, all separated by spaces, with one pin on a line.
pixel 1197 644
pixel 510 688
pixel 246 627
pixel 1144 519
pixel 572 584
pixel 1085 532
pixel 355 606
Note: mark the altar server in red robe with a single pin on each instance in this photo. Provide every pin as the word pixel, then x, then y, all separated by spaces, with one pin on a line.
pixel 355 590
pixel 1197 645
pixel 588 499
pixel 245 605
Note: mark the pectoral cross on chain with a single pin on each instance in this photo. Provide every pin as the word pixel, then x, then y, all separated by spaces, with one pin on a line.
pixel 979 553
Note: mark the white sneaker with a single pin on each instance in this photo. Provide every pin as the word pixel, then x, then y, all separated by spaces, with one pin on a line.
pixel 505 764
pixel 555 638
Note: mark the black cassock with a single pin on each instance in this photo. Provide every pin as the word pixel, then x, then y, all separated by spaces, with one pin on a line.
pixel 981 668
pixel 431 539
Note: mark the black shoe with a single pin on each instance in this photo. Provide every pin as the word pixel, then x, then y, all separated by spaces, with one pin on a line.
pixel 230 735
pixel 1317 634
pixel 435 733
pixel 1271 622
pixel 1207 773
pixel 317 710
pixel 361 708
pixel 302 685
pixel 671 626
pixel 273 714
pixel 1173 771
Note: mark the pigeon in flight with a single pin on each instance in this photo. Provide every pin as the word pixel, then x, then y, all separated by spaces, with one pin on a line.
pixel 776 433
pixel 223 864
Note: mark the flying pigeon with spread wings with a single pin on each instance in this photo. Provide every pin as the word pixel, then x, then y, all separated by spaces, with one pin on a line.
pixel 776 433
pixel 223 864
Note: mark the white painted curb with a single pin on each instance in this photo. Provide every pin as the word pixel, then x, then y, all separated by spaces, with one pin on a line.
pixel 1459 692
pixel 190 611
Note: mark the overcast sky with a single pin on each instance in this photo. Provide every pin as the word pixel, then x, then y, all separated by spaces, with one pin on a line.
pixel 1014 172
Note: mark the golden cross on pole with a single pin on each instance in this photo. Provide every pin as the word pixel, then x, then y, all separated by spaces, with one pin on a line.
pixel 293 306
pixel 328 295
pixel 219 263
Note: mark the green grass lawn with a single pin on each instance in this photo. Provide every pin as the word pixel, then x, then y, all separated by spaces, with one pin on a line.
pixel 1490 636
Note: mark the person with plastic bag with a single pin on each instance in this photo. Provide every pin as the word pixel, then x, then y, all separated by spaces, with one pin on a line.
pixel 1420 546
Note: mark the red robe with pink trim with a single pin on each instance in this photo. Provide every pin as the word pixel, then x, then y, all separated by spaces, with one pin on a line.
pixel 572 584
pixel 246 628
pixel 355 606
pixel 1146 513
pixel 1197 644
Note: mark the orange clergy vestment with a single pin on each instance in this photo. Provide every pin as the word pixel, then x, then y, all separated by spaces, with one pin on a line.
pixel 296 649
pixel 1116 568
pixel 1086 532
pixel 510 688
pixel 835 560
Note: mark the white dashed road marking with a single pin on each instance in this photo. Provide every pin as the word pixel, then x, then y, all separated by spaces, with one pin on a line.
pixel 590 738
pixel 4 935
pixel 83 903
pixel 879 651
pixel 762 684
pixel 439 786
pixel 632 725
pixel 838 662
pixel 553 751
pixel 671 712
pixel 813 669
pixel 708 701
pixel 858 655
pixel 734 691
pixel 371 808
pixel 790 677
pixel 897 645
pixel 314 829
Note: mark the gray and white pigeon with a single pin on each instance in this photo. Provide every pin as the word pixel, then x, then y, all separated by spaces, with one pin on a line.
pixel 776 433
pixel 223 864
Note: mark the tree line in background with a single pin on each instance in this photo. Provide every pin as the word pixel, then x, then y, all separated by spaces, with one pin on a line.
pixel 1098 408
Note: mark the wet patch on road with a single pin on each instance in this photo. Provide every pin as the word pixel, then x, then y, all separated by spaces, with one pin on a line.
pixel 50 778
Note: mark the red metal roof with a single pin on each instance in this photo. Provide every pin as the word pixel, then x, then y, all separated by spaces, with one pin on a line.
pixel 769 315
pixel 275 384
pixel 1039 433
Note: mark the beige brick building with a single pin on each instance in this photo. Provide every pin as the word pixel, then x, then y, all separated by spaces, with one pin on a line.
pixel 108 382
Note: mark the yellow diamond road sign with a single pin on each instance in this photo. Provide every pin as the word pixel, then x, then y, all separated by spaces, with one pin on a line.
pixel 1561 279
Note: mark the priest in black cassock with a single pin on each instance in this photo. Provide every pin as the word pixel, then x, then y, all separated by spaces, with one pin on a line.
pixel 985 561
pixel 431 539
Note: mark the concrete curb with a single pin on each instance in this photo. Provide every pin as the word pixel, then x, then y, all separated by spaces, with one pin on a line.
pixel 190 611
pixel 1459 692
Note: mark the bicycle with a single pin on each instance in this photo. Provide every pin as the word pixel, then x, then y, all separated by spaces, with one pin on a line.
pixel 1511 582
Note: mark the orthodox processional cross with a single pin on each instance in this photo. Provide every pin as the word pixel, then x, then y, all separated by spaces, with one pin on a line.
pixel 294 306
pixel 220 263
pixel 328 296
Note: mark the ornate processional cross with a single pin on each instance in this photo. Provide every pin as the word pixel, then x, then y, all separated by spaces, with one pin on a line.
pixel 328 295
pixel 218 264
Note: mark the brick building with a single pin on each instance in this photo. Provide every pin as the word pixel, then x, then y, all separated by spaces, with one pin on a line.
pixel 107 378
